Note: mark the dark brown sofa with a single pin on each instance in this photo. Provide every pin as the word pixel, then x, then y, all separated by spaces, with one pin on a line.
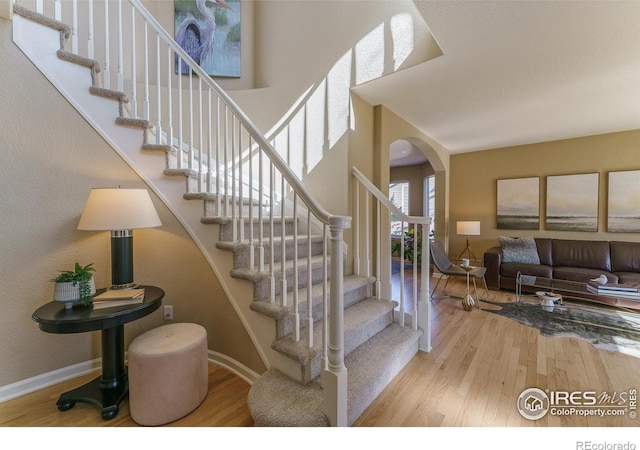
pixel 563 259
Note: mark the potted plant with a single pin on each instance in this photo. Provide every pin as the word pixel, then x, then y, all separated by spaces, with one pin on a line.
pixel 75 286
pixel 409 237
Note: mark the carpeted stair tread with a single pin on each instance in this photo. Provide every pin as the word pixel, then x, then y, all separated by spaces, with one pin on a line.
pixel 361 321
pixel 352 284
pixel 302 240
pixel 256 275
pixel 373 365
pixel 277 400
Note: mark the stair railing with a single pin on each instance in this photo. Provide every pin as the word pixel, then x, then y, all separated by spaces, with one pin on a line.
pixel 370 251
pixel 209 139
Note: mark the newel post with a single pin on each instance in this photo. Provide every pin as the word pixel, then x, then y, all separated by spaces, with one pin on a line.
pixel 334 376
pixel 424 306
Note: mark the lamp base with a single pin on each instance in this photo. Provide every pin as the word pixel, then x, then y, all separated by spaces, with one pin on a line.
pixel 472 256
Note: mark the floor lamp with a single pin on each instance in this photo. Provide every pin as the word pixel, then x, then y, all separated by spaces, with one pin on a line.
pixel 119 211
pixel 468 228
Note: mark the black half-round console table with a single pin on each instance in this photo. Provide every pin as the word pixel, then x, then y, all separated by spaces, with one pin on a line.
pixel 111 387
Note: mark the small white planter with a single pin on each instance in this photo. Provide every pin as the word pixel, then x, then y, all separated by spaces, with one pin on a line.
pixel 69 294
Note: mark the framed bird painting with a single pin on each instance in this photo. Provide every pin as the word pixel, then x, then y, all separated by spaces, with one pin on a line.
pixel 209 32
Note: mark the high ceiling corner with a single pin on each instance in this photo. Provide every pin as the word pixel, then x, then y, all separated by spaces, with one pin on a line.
pixel 520 72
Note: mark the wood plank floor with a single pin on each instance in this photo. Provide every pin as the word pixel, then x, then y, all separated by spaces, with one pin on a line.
pixel 479 365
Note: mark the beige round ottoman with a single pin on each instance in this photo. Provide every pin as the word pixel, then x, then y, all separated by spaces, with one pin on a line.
pixel 168 373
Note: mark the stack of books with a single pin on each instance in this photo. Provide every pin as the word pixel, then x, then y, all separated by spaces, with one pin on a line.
pixel 118 297
pixel 614 290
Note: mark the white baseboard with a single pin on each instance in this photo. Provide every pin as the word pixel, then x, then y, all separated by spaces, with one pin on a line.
pixel 234 366
pixel 44 380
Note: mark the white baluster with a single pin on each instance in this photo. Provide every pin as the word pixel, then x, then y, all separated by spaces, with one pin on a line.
pixel 218 144
pixel 309 286
pixel 158 93
pixel 367 237
pixel 201 166
pixel 106 76
pixel 145 100
pixel 90 38
pixel 120 81
pixel 74 23
pixel 414 299
pixel 356 229
pixel 209 144
pixel 190 122
pixel 402 274
pixel 133 101
pixel 378 246
pixel 234 199
pixel 260 213
pixel 283 247
pixel 179 152
pixel 226 162
pixel 296 300
pixel 325 301
pixel 170 100
pixel 240 185
pixel 272 278
pixel 252 259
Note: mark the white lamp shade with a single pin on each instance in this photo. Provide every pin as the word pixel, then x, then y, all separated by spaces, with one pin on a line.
pixel 118 209
pixel 468 228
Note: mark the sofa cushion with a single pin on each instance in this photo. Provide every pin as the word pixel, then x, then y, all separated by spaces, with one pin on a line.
pixel 582 254
pixel 631 278
pixel 625 256
pixel 537 270
pixel 545 251
pixel 581 274
pixel 519 250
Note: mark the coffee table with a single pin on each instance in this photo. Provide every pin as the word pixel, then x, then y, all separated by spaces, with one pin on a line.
pixel 569 289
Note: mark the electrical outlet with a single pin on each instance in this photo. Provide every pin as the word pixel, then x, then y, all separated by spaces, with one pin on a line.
pixel 168 312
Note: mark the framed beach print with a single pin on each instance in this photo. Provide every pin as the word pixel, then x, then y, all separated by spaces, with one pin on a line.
pixel 519 204
pixel 209 31
pixel 623 213
pixel 572 202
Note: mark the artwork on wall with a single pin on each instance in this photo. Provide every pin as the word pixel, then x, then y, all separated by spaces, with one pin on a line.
pixel 572 202
pixel 624 201
pixel 209 31
pixel 519 204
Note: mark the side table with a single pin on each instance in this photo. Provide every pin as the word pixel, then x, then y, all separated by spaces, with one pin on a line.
pixel 108 390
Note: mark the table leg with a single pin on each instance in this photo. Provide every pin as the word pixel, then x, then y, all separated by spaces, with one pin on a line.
pixel 467 300
pixel 109 389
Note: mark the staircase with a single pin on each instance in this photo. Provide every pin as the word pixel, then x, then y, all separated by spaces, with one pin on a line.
pixel 286 249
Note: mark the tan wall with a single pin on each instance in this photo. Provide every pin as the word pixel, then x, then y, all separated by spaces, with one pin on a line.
pixel 474 183
pixel 51 160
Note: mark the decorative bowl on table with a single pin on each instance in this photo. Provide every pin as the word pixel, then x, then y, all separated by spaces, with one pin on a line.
pixel 549 299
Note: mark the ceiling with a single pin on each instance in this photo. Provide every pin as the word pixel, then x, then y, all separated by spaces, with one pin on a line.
pixel 519 72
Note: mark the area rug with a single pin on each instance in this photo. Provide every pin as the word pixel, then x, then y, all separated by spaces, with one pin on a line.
pixel 605 328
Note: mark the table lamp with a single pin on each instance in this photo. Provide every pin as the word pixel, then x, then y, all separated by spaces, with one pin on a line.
pixel 468 228
pixel 119 211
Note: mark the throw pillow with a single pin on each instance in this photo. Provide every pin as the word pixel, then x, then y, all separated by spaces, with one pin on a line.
pixel 520 250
